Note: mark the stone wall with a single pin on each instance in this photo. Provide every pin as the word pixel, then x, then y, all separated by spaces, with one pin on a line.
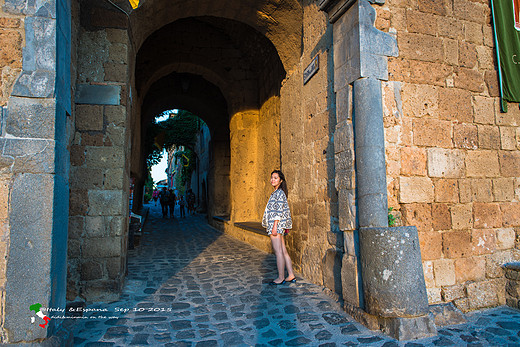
pixel 11 40
pixel 452 156
pixel 99 186
pixel 307 125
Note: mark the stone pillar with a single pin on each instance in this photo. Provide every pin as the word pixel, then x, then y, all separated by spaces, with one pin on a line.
pixel 393 289
pixel 34 167
pixel 244 161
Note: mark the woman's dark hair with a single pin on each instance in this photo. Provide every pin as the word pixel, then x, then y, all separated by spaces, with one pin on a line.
pixel 283 185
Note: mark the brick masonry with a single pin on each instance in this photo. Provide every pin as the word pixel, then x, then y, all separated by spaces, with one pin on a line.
pixel 459 154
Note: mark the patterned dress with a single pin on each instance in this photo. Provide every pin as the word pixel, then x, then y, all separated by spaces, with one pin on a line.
pixel 277 209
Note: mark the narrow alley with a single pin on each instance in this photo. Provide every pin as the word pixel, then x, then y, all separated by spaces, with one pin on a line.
pixel 189 285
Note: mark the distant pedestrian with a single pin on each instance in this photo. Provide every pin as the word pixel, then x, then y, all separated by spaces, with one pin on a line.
pixel 155 196
pixel 190 200
pixel 163 199
pixel 277 221
pixel 182 203
pixel 171 203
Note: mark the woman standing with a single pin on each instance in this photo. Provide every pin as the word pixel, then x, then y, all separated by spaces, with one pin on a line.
pixel 277 220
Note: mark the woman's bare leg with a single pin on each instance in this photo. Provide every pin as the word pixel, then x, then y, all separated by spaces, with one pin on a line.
pixel 277 242
pixel 287 261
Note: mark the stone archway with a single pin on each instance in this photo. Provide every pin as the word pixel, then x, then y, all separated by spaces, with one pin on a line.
pixel 226 71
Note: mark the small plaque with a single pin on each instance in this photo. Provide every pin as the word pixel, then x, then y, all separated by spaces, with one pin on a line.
pixel 311 69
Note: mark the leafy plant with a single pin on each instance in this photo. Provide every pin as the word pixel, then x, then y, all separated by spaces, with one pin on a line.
pixel 391 217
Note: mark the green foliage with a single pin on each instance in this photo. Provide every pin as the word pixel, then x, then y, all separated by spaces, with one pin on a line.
pixel 148 188
pixel 179 130
pixel 188 161
pixel 391 217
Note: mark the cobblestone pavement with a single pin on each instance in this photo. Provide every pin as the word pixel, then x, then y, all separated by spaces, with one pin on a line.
pixel 189 285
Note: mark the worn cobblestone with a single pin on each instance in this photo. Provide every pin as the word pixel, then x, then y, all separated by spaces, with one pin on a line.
pixel 189 285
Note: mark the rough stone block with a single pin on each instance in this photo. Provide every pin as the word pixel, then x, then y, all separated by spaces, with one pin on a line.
pixel 77 155
pixel 483 294
pixel 101 247
pixel 445 163
pixel 462 216
pixel 483 164
pixel 470 269
pixel 114 267
pixel 118 53
pixel 424 72
pixel 503 189
pixel 431 245
pixel 420 47
pixel 509 164
pixel 450 293
pixel 432 133
pixel 419 100
pixel 416 189
pixel 115 115
pixel 86 178
pixel 505 238
pixel 491 78
pixel 105 157
pixel 91 270
pixel 513 289
pixel 434 295
pixel 509 118
pixel 485 58
pixel 465 136
pixel 105 202
pixel 484 109
pixel 115 72
pixel 486 215
pixel 456 244
pixel 471 11
pixel 4 196
pixel 475 189
pixel 117 35
pixel 31 118
pixel 350 280
pixel 447 314
pixel 418 215
pixel 495 263
pixel 92 139
pixel 483 241
pixel 451 51
pixel 95 226
pixel 488 137
pixel 508 138
pixel 510 213
pixel 76 227
pixel 444 270
pixel 470 79
pixel 413 161
pixel 473 33
pixel 331 270
pixel 78 201
pixel 455 105
pixel 446 190
pixel 32 237
pixel 441 217
pixel 467 54
pixel 31 155
pixel 89 117
pixel 347 209
pixel 429 277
